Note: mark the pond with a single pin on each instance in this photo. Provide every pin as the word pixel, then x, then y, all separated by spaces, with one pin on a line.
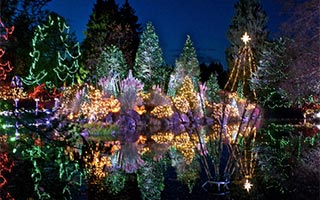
pixel 170 151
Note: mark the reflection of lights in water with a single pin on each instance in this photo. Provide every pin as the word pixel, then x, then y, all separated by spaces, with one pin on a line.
pixel 247 185
pixel 318 120
pixel 317 115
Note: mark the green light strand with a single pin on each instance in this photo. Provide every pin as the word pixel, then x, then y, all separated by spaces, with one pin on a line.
pixel 66 58
pixel 68 171
pixel 34 154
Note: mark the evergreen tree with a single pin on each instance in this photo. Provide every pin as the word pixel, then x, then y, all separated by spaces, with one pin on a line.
pixel 111 63
pixel 213 89
pixel 55 54
pixel 271 73
pixel 104 17
pixel 189 61
pixel 25 15
pixel 251 18
pixel 130 20
pixel 186 65
pixel 108 25
pixel 149 58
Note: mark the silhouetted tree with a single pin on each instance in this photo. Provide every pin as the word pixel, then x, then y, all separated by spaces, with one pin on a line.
pixel 131 41
pixel 104 17
pixel 110 26
pixel 213 68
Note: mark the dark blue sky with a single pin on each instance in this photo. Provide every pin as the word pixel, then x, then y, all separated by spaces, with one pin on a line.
pixel 206 21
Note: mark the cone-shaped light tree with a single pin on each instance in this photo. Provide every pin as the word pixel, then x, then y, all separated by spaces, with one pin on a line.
pixel 251 18
pixel 149 58
pixel 242 70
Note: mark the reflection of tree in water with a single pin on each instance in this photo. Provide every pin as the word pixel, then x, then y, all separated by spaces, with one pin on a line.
pixel 101 136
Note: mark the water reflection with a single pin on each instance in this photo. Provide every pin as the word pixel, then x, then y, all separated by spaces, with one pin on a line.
pixel 213 145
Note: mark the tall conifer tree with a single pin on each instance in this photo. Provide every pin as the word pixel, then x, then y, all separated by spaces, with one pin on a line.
pixel 251 18
pixel 108 25
pixel 186 65
pixel 131 41
pixel 149 57
pixel 104 15
pixel 272 71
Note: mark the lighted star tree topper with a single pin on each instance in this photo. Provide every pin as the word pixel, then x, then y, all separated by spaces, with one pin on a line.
pixel 243 68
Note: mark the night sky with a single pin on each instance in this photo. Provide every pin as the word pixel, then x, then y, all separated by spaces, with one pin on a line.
pixel 206 21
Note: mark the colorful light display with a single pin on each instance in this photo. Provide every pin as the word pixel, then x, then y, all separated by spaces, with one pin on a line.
pixel 243 68
pixel 59 60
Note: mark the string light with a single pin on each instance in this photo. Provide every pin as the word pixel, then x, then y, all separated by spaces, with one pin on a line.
pixel 7 31
pixel 243 68
pixel 64 71
pixel 5 67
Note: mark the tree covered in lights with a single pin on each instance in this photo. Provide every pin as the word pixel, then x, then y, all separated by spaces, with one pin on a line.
pixel 55 54
pixel 213 88
pixel 103 14
pixel 251 18
pixel 111 63
pixel 25 15
pixel 149 58
pixel 109 25
pixel 271 73
pixel 186 65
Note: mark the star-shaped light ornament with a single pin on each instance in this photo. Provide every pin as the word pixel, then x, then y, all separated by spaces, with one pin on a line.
pixel 247 185
pixel 245 38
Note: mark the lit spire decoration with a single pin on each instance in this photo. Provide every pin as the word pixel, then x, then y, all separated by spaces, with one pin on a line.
pixel 58 59
pixel 5 66
pixel 243 68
